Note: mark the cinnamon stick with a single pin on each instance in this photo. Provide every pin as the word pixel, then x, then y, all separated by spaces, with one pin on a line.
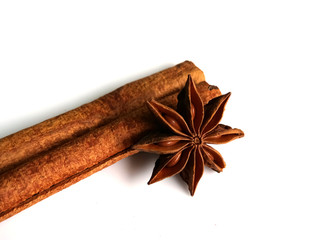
pixel 52 171
pixel 19 147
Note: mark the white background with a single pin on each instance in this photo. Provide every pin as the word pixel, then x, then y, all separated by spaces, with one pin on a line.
pixel 57 55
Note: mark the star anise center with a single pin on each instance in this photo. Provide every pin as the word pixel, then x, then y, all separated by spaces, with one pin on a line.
pixel 197 140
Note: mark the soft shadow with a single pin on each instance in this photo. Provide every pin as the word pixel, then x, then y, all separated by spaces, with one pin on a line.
pixel 140 164
pixel 78 100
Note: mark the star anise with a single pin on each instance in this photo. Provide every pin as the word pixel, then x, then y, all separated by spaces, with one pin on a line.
pixel 183 143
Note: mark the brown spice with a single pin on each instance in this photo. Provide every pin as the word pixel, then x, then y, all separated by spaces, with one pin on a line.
pixel 25 144
pixel 183 142
pixel 51 171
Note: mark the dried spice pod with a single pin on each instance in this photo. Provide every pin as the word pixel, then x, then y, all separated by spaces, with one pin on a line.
pixel 183 142
pixel 20 146
pixel 49 172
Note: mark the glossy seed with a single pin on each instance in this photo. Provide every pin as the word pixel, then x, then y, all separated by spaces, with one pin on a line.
pixel 167 143
pixel 172 122
pixel 192 111
pixel 211 158
pixel 174 160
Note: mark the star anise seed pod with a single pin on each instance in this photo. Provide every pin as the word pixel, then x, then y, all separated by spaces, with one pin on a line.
pixel 183 145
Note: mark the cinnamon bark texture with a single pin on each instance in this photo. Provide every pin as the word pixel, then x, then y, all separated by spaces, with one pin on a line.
pixel 19 147
pixel 51 171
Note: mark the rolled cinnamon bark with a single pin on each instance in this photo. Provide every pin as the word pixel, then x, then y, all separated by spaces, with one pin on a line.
pixel 20 146
pixel 52 171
